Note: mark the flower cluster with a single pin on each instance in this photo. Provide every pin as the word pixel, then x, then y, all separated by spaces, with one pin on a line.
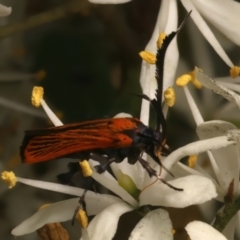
pixel 131 184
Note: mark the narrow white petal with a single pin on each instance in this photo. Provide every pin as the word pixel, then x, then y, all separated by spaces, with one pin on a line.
pixel 21 108
pixel 147 75
pixel 217 87
pixel 162 18
pixel 196 190
pixel 104 225
pixel 52 116
pixel 145 84
pixel 227 159
pixel 90 196
pixel 172 54
pixel 202 231
pixel 195 148
pixel 57 212
pixel 108 181
pixel 63 211
pixel 155 225
pixel 15 76
pixel 206 31
pixel 5 11
pixel 194 109
pixel 108 1
pixel 222 14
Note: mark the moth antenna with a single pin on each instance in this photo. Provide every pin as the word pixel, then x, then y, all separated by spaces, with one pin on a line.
pixel 160 57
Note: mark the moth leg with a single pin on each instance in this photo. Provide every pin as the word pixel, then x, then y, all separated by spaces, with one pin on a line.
pixel 82 204
pixel 152 172
pixel 103 166
pixel 146 165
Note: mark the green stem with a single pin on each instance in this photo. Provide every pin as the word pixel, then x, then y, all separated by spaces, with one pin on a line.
pixel 65 10
pixel 229 211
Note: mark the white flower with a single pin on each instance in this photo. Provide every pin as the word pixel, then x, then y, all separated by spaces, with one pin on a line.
pixel 202 231
pixel 5 11
pixel 225 162
pixel 197 189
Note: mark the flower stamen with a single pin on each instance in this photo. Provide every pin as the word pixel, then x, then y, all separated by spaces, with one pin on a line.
pixel 37 96
pixel 148 57
pixel 188 77
pixel 170 97
pixel 192 160
pixel 82 218
pixel 86 168
pixel 10 178
pixel 234 71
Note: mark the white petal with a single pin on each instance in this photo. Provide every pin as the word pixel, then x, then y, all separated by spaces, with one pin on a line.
pixel 109 1
pixel 108 181
pixel 104 225
pixel 90 196
pixel 123 115
pixel 196 190
pixel 206 31
pixel 155 225
pixel 172 53
pixel 227 159
pixel 57 212
pixel 222 14
pixel 21 108
pixel 63 211
pixel 202 231
pixel 195 148
pixel 217 87
pixel 147 76
pixel 194 109
pixel 5 11
pixel 147 72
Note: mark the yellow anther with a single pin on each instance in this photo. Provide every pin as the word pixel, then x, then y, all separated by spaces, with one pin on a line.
pixel 44 206
pixel 192 160
pixel 86 169
pixel 9 178
pixel 161 37
pixel 234 71
pixel 183 80
pixel 37 95
pixel 148 57
pixel 82 218
pixel 186 78
pixel 173 231
pixel 169 96
pixel 40 75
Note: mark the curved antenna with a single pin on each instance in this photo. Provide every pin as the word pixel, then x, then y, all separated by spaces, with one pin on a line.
pixel 160 57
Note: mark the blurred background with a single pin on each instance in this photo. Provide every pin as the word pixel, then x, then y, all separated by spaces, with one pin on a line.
pixel 86 58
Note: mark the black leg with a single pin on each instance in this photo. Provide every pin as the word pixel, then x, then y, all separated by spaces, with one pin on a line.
pixel 82 204
pixel 146 165
pixel 103 166
pixel 152 172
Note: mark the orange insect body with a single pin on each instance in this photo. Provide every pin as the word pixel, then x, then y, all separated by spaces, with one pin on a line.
pixel 56 142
